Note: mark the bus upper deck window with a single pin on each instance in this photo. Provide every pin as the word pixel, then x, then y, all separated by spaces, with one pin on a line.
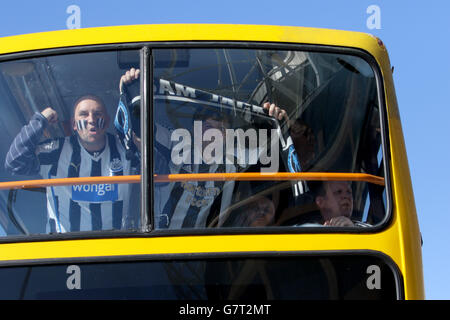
pixel 265 138
pixel 60 141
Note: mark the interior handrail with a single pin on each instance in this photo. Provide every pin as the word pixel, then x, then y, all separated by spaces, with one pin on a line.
pixel 236 176
pixel 278 176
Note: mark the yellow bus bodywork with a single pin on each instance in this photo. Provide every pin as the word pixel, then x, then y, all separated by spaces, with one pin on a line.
pixel 400 239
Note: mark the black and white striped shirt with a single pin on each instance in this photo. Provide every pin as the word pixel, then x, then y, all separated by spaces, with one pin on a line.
pixel 187 204
pixel 78 207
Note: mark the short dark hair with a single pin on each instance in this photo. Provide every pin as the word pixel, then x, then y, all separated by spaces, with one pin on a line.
pixel 318 187
pixel 88 97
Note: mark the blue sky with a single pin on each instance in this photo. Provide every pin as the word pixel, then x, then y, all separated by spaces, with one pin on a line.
pixel 415 33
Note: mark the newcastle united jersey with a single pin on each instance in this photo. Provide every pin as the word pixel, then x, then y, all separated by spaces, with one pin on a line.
pixel 76 207
pixel 187 204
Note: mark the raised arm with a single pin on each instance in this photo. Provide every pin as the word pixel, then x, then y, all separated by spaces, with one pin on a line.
pixel 22 155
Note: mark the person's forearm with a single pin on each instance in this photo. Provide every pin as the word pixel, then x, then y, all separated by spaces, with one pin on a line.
pixel 21 157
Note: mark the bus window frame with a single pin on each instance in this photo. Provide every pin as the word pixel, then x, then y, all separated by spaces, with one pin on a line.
pixel 105 234
pixel 147 217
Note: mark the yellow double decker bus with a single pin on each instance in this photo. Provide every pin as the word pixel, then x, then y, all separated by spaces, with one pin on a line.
pixel 203 162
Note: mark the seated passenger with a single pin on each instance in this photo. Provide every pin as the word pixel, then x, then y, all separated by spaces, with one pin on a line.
pixel 255 204
pixel 335 202
pixel 260 212
pixel 90 151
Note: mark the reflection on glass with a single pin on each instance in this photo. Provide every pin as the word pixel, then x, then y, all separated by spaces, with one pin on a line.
pixel 61 120
pixel 222 113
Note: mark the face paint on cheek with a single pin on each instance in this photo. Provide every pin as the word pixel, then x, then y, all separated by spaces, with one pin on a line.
pixel 100 123
pixel 81 125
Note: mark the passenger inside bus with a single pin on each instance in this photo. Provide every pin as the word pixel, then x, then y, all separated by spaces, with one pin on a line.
pixel 187 204
pixel 259 213
pixel 333 199
pixel 89 151
pixel 194 203
pixel 255 204
pixel 335 202
pixel 264 208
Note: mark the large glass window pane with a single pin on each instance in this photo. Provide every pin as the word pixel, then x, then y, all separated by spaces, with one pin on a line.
pixel 67 162
pixel 232 124
pixel 260 278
